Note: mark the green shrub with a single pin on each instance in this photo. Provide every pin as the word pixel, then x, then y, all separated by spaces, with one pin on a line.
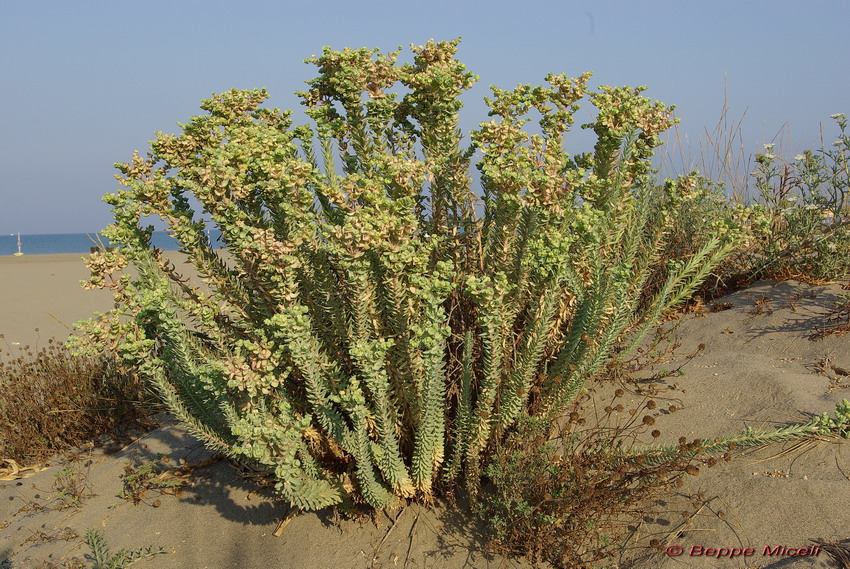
pixel 374 327
pixel 692 227
pixel 805 206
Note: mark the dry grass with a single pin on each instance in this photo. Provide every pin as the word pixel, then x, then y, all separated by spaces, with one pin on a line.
pixel 837 321
pixel 572 501
pixel 52 401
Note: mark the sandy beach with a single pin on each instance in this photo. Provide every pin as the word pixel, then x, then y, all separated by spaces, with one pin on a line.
pixel 759 367
pixel 44 292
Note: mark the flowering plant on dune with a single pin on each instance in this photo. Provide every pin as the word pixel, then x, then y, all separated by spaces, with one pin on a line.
pixel 374 327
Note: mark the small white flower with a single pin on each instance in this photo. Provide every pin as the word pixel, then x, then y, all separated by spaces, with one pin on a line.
pixel 837 116
pixel 799 158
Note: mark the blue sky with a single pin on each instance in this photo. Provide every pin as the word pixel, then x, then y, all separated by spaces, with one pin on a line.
pixel 84 83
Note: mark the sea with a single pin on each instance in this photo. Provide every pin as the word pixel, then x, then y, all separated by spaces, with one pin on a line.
pixel 51 243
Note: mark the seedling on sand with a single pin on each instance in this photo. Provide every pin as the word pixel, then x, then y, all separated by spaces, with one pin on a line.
pixel 66 534
pixel 71 488
pixel 159 476
pixel 139 480
pixel 103 558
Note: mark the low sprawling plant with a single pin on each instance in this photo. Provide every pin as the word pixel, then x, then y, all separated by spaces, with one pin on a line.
pixel 569 495
pixel 103 557
pixel 375 328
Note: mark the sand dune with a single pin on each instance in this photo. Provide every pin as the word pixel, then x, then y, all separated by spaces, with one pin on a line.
pixel 759 368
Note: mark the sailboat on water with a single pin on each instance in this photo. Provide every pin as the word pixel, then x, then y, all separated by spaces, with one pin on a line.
pixel 19 253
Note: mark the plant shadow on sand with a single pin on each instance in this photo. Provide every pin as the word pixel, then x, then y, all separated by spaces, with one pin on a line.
pixel 200 507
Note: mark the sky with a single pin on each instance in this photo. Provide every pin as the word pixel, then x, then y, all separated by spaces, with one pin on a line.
pixel 83 84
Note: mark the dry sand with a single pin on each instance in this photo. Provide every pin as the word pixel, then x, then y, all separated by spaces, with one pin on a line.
pixel 759 368
pixel 44 292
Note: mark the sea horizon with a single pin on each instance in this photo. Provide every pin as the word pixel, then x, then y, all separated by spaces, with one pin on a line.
pixel 56 243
